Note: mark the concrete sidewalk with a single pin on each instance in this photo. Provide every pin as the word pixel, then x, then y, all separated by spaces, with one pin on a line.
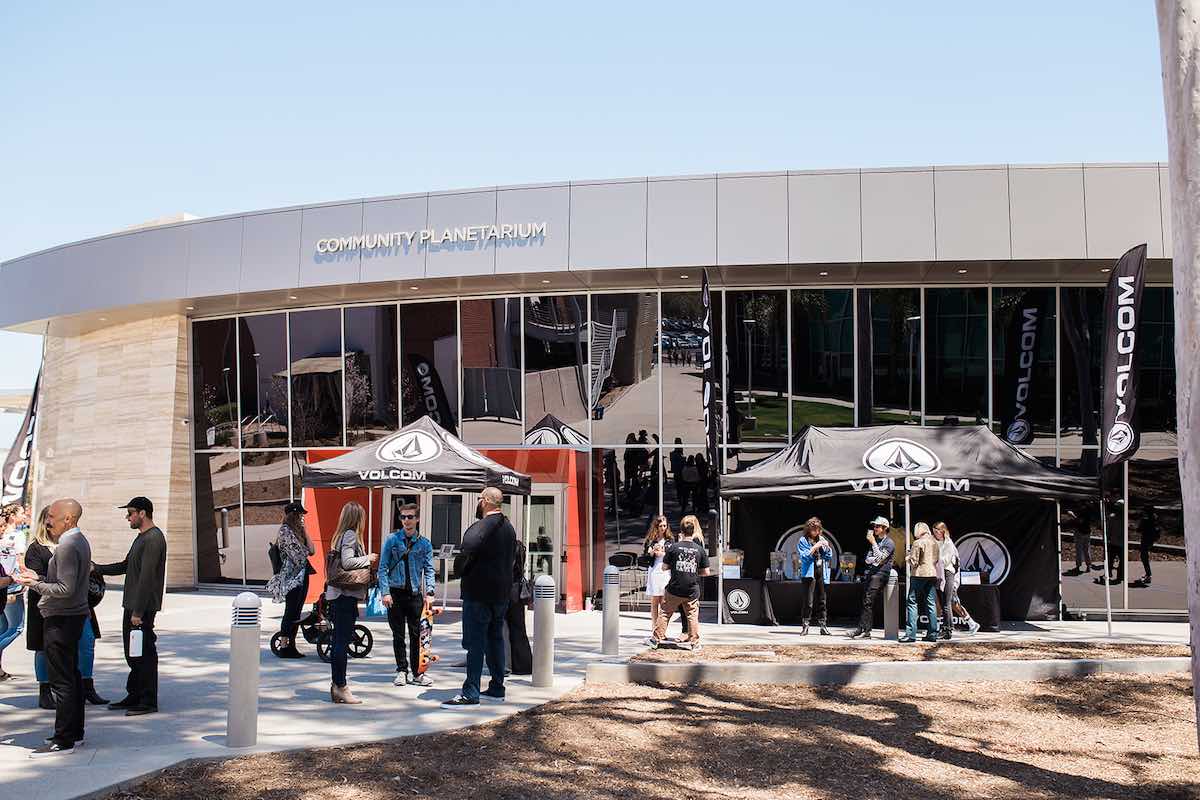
pixel 294 700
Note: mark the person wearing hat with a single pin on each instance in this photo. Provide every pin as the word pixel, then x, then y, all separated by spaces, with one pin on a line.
pixel 145 570
pixel 290 584
pixel 879 567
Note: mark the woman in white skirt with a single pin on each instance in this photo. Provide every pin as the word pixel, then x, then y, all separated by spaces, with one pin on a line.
pixel 658 536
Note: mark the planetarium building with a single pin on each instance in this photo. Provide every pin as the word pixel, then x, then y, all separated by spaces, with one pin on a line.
pixel 556 329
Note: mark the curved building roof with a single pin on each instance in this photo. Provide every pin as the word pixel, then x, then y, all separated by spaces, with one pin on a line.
pixel 999 223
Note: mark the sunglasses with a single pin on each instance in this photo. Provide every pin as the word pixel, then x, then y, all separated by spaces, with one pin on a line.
pixel 408 516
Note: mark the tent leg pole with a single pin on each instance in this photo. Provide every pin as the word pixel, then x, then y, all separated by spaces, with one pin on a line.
pixel 720 560
pixel 1107 563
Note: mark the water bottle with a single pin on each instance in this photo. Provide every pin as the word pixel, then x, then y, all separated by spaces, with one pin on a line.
pixel 135 643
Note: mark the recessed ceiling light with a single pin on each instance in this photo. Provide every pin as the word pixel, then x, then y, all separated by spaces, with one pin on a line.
pixel 545 281
pixel 291 297
pixel 189 308
pixel 683 276
pixel 1106 269
pixel 823 274
pixel 104 319
pixel 414 288
pixel 962 272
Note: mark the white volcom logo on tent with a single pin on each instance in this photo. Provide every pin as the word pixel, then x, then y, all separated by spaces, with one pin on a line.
pixel 901 457
pixel 413 447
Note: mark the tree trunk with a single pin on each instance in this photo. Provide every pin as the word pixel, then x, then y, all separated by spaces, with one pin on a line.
pixel 1179 40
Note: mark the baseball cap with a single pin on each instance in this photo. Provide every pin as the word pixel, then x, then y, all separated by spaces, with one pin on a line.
pixel 880 521
pixel 140 504
pixel 295 507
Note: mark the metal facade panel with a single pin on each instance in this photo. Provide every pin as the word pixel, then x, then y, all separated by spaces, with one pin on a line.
pixel 548 204
pixel 214 265
pixel 447 212
pixel 682 222
pixel 752 220
pixel 406 260
pixel 1046 209
pixel 824 218
pixel 1121 207
pixel 971 212
pixel 270 252
pixel 897 215
pixel 608 225
pixel 325 222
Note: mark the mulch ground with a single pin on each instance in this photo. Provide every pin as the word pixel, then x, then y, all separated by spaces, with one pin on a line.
pixel 1112 736
pixel 917 651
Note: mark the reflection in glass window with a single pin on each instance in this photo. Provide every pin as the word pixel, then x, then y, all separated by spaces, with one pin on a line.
pixel 372 387
pixel 491 358
pixel 689 487
pixel 214 381
pixel 1158 569
pixel 890 351
pixel 683 366
pixel 1023 392
pixel 1082 540
pixel 1081 354
pixel 556 360
pixel 1156 409
pixel 756 337
pixel 316 339
pixel 956 347
pixel 263 361
pixel 624 366
pixel 429 375
pixel 266 489
pixel 822 358
pixel 218 518
pixel 625 498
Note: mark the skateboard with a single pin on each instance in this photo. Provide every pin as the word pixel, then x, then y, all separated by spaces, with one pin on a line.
pixel 426 656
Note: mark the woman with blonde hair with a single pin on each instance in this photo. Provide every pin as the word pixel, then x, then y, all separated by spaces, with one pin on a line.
pixel 948 588
pixel 658 536
pixel 347 552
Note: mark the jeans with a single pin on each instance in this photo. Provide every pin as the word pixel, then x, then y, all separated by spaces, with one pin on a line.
pixel 293 608
pixel 406 613
pixel 87 656
pixel 142 684
pixel 343 612
pixel 13 620
pixel 921 590
pixel 62 636
pixel 946 600
pixel 483 639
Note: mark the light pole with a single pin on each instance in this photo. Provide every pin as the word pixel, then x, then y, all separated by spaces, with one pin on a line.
pixel 257 389
pixel 749 323
pixel 912 331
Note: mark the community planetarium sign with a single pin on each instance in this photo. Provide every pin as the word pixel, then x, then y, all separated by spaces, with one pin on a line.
pixel 428 236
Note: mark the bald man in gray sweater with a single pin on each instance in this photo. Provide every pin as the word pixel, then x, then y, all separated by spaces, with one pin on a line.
pixel 64 607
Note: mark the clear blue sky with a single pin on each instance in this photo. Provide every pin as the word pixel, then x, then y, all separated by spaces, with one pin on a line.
pixel 118 113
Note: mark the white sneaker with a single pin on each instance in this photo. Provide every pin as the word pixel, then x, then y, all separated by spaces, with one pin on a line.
pixel 401 679
pixel 420 680
pixel 973 627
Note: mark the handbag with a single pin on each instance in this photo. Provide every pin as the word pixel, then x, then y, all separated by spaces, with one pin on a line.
pixel 273 556
pixel 345 579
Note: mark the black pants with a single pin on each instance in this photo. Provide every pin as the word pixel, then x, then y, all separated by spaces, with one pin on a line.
pixel 518 639
pixel 405 613
pixel 813 589
pixel 343 611
pixel 61 638
pixel 946 601
pixel 874 585
pixel 142 684
pixel 293 609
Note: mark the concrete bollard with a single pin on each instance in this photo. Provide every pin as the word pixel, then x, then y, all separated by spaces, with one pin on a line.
pixel 241 726
pixel 610 644
pixel 543 631
pixel 891 607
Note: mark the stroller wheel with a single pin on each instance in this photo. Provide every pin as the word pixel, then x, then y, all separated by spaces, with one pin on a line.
pixel 325 646
pixel 362 642
pixel 276 645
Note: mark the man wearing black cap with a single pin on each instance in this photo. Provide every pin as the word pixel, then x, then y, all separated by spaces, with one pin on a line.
pixel 144 568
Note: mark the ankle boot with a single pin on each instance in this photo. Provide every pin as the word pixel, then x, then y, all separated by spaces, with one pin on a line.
pixel 45 698
pixel 89 693
pixel 342 694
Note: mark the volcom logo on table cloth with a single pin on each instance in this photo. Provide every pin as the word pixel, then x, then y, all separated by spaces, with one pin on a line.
pixel 738 601
pixel 984 553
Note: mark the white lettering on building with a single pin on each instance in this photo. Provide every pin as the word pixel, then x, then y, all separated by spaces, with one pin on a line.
pixel 470 233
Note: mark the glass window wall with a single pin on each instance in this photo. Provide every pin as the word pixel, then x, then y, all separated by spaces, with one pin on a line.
pixel 890 356
pixel 822 358
pixel 491 356
pixel 557 376
pixel 429 378
pixel 214 384
pixel 682 366
pixel 624 367
pixel 218 498
pixel 372 388
pixel 756 333
pixel 316 343
pixel 266 489
pixel 956 350
pixel 1156 408
pixel 262 346
pixel 1023 364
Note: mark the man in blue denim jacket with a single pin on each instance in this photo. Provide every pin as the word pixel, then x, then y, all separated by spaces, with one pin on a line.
pixel 406 585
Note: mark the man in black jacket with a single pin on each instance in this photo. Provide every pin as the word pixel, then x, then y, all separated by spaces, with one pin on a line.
pixel 879 560
pixel 488 551
pixel 144 568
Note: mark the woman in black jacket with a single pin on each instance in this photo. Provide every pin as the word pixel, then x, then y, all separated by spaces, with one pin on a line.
pixel 514 617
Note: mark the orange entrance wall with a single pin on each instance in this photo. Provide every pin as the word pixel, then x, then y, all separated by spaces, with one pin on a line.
pixel 562 466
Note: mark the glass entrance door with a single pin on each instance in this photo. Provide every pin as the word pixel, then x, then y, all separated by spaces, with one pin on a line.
pixel 543 536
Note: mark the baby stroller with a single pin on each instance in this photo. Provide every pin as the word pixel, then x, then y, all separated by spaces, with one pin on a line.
pixel 317 628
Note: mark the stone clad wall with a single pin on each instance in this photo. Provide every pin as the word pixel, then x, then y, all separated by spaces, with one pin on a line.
pixel 111 427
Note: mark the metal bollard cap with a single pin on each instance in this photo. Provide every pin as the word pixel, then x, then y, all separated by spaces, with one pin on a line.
pixel 247 600
pixel 611 570
pixel 544 580
pixel 247 610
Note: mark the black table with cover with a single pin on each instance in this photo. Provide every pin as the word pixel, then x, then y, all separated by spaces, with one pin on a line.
pixel 844 603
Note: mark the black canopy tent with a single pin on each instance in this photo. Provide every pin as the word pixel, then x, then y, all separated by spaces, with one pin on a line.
pixel 552 431
pixel 421 455
pixel 903 461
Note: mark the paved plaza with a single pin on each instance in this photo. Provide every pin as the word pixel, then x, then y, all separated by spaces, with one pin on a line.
pixel 294 698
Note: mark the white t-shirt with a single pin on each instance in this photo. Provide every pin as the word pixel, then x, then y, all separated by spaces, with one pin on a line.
pixel 12 547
